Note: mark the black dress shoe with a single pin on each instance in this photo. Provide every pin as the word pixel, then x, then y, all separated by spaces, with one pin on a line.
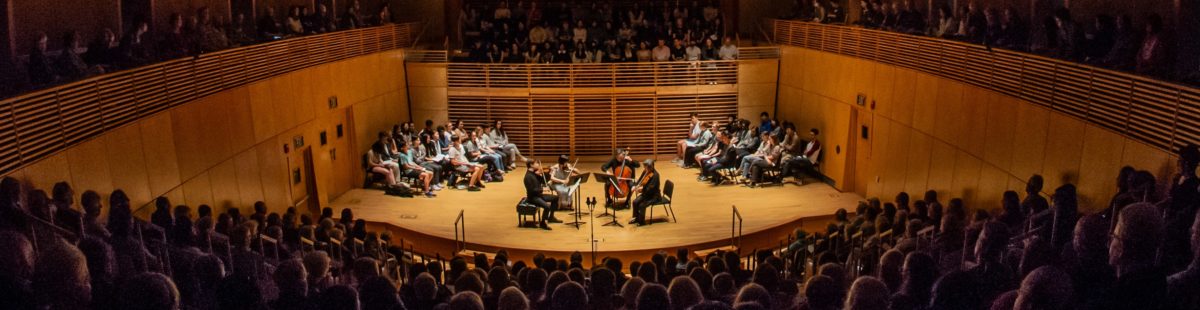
pixel 554 220
pixel 633 221
pixel 544 226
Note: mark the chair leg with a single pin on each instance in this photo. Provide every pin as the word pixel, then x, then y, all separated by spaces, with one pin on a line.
pixel 672 211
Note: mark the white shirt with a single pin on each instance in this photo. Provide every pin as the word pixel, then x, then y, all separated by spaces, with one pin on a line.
pixel 458 154
pixel 728 52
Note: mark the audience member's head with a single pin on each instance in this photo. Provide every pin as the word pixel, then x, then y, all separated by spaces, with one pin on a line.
pixel 469 281
pixel 60 276
pixel 1136 238
pixel 291 278
pixel 1045 288
pixel 754 293
pixel 891 265
pixel 569 296
pixel 317 264
pixel 378 293
pixel 603 283
pixel 955 290
pixel 629 292
pixel 338 297
pixel 867 293
pixel 512 298
pixel 653 297
pixel 466 300
pixel 684 293
pixel 1090 242
pixel 149 291
pixel 703 279
pixel 822 292
pixel 724 284
pixel 425 287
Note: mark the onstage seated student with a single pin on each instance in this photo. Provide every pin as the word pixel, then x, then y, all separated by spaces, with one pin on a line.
pixel 534 183
pixel 806 159
pixel 745 142
pixel 411 169
pixel 559 175
pixel 458 159
pixel 378 165
pixel 648 194
pixel 431 162
pixel 477 154
pixel 702 143
pixel 695 128
pixel 763 147
pixel 500 139
pixel 712 156
pixel 491 148
pixel 770 159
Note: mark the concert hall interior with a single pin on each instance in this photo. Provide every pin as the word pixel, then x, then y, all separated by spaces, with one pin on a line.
pixel 608 154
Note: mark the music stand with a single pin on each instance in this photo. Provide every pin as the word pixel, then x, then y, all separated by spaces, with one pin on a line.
pixel 610 180
pixel 575 181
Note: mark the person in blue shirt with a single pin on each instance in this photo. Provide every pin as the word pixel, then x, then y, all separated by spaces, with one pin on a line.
pixel 765 125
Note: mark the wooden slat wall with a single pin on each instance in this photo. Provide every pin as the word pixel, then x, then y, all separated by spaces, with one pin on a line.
pixel 36 125
pixel 1158 113
pixel 592 75
pixel 592 121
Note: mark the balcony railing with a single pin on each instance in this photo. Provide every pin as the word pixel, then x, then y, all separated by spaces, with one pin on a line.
pixel 635 74
pixel 41 123
pixel 1162 114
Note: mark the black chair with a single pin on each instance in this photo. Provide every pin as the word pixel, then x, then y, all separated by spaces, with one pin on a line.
pixel 665 201
pixel 525 210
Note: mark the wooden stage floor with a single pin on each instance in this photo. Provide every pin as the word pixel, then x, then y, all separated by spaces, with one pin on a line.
pixel 703 211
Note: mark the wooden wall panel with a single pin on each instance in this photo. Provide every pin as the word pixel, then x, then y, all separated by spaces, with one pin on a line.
pixel 226 149
pixel 53 169
pixel 754 99
pixel 127 163
pixel 1102 150
pixel 224 186
pixel 162 164
pixel 1064 148
pixel 88 166
pixel 249 177
pixel 1029 146
pixel 964 142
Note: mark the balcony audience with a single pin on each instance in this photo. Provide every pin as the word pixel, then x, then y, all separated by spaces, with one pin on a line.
pixel 1104 40
pixel 596 33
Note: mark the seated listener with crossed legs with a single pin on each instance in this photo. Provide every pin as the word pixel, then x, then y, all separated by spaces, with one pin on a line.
pixel 421 156
pixel 769 159
pixel 534 183
pixel 458 159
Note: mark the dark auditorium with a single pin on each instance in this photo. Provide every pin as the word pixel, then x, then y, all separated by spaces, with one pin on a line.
pixel 654 154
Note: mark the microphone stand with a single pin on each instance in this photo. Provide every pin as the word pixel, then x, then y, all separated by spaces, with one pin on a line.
pixel 591 202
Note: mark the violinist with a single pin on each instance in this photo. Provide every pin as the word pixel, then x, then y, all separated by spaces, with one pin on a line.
pixel 619 162
pixel 534 183
pixel 560 174
pixel 648 193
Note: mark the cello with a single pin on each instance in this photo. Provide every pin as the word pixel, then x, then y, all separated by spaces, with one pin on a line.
pixel 619 191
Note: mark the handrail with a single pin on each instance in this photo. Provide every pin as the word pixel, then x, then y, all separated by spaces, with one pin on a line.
pixel 632 74
pixel 735 227
pixel 38 124
pixel 766 35
pixel 460 244
pixel 1159 113
pixel 758 52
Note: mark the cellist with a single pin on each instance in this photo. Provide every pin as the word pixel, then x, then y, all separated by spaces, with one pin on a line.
pixel 648 193
pixel 617 164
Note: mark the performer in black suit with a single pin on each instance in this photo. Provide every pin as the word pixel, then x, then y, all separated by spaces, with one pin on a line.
pixel 647 188
pixel 534 183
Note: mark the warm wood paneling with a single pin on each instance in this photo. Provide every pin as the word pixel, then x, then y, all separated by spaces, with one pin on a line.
pixel 961 140
pixel 227 149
